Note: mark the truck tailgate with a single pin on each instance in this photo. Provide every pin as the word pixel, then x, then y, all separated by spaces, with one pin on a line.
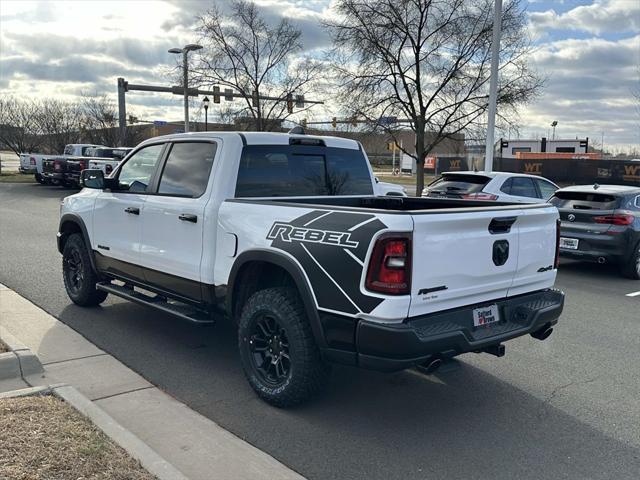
pixel 473 257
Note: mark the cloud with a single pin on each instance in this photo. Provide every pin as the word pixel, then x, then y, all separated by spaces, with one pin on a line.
pixel 589 88
pixel 602 16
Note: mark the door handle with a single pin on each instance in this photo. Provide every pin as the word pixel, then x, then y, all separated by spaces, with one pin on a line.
pixel 188 217
pixel 132 210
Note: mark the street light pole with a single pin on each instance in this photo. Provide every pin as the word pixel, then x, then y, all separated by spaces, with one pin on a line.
pixel 185 77
pixel 205 103
pixel 493 85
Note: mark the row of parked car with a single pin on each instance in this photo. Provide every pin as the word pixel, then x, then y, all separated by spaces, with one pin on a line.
pixel 598 222
pixel 65 169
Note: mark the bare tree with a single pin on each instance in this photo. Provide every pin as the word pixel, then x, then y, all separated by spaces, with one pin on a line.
pixel 243 52
pixel 98 120
pixel 428 62
pixel 18 125
pixel 60 123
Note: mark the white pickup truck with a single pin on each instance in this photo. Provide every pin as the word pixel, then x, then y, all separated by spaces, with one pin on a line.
pixel 284 234
pixel 33 162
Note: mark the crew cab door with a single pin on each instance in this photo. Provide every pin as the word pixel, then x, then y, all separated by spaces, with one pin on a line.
pixel 174 220
pixel 117 215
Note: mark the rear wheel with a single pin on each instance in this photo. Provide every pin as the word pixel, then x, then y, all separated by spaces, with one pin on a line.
pixel 79 277
pixel 631 269
pixel 278 352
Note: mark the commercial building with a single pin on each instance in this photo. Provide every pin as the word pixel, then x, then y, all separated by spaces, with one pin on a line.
pixel 510 148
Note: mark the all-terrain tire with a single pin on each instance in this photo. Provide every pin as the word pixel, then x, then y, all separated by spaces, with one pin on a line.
pixel 307 373
pixel 631 269
pixel 79 277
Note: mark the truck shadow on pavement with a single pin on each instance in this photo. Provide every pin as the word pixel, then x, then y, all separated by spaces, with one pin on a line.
pixel 464 423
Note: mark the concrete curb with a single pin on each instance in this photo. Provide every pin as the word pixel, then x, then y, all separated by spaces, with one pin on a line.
pixel 150 460
pixel 19 361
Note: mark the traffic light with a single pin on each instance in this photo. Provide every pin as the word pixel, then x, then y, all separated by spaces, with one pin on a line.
pixel 216 94
pixel 354 122
pixel 254 98
pixel 289 103
pixel 299 101
pixel 334 122
pixel 228 94
pixel 304 122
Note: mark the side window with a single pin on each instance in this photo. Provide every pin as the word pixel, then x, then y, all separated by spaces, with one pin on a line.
pixel 546 189
pixel 187 169
pixel 506 186
pixel 523 187
pixel 637 202
pixel 135 175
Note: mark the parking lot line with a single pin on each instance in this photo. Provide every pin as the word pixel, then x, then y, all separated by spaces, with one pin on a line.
pixel 633 294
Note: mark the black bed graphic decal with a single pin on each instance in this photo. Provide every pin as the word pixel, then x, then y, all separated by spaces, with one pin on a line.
pixel 331 247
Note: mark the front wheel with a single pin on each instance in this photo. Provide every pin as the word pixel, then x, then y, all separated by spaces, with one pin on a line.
pixel 278 352
pixel 79 277
pixel 631 269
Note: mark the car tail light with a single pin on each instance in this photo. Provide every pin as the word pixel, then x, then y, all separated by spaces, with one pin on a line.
pixel 57 165
pixel 390 265
pixel 32 160
pixel 108 169
pixel 479 196
pixel 82 165
pixel 615 219
pixel 556 262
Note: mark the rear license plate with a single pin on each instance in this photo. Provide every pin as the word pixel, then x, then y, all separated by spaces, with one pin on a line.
pixel 569 243
pixel 486 315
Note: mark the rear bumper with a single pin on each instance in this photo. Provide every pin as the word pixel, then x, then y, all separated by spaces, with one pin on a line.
pixel 450 333
pixel 54 176
pixel 612 247
pixel 31 169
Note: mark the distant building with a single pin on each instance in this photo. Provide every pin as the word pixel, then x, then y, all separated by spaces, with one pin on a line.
pixel 510 148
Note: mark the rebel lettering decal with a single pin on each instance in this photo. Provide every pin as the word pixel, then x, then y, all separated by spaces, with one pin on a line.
pixel 290 233
pixel 331 246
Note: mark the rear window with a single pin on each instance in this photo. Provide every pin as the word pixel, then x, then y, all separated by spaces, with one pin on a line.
pixel 585 200
pixel 297 170
pixel 459 184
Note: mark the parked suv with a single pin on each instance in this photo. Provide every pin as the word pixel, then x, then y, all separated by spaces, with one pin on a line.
pixel 601 223
pixel 496 186
pixel 284 234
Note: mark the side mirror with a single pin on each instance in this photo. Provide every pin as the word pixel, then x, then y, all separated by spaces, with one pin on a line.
pixel 377 179
pixel 90 178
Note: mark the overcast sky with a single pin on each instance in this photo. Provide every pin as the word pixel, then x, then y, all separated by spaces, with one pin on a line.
pixel 589 50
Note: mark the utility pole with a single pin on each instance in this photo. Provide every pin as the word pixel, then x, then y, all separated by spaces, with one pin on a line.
pixel 185 77
pixel 493 84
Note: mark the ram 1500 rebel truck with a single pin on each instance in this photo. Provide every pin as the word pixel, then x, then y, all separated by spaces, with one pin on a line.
pixel 283 233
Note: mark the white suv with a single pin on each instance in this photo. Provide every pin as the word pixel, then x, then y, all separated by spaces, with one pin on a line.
pixel 498 186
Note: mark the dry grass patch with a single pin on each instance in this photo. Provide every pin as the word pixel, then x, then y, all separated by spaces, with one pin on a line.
pixel 43 438
pixel 17 177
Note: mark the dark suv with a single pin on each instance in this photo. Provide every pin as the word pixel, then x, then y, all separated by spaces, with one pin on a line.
pixel 601 223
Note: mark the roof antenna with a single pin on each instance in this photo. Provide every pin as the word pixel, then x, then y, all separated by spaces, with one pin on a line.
pixel 297 130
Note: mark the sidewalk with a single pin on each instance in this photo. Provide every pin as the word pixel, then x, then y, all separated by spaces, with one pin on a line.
pixel 195 445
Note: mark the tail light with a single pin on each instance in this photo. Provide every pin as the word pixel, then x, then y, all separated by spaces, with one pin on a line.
pixel 82 165
pixel 108 169
pixel 390 266
pixel 479 196
pixel 621 218
pixel 556 262
pixel 32 160
pixel 57 165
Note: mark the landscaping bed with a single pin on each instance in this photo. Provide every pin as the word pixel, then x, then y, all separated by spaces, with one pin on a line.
pixel 44 438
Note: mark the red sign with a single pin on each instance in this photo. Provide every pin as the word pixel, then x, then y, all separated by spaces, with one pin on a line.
pixel 430 162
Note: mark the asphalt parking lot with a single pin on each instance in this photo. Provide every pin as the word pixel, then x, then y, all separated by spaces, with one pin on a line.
pixel 564 408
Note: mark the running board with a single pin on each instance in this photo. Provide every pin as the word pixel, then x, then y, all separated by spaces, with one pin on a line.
pixel 158 302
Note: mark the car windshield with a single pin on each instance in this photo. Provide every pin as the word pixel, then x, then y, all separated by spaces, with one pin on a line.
pixel 458 184
pixel 585 200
